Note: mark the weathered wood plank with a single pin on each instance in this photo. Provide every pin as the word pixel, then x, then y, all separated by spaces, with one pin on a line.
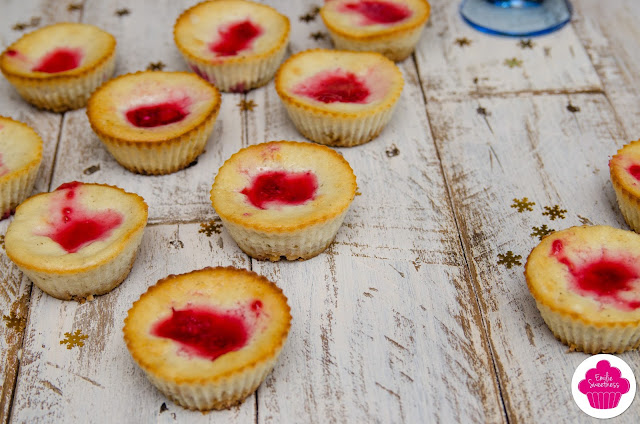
pixel 534 147
pixel 388 326
pixel 610 33
pixel 184 195
pixel 456 61
pixel 99 382
pixel 15 289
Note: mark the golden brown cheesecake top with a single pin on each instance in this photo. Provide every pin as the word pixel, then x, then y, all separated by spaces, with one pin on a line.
pixel 283 185
pixel 20 149
pixel 589 273
pixel 207 324
pixel 58 51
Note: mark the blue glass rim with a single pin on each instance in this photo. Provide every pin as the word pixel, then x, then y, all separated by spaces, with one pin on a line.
pixel 490 31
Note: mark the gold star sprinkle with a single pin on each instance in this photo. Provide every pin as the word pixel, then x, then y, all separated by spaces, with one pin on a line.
pixel 247 105
pixel 509 259
pixel 513 62
pixel 554 212
pixel 122 12
pixel 358 191
pixel 522 204
pixel 209 228
pixel 74 339
pixel 482 111
pixel 74 6
pixel 14 322
pixel 526 44
pixel 311 16
pixel 392 151
pixel 573 109
pixel 540 232
pixel 463 42
pixel 318 35
pixel 19 27
pixel 156 66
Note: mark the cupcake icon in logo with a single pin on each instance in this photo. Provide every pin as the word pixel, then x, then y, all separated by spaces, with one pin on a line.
pixel 604 386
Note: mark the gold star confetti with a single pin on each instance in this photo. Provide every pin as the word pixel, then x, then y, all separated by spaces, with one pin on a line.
pixel 482 111
pixel 91 170
pixel 573 109
pixel 74 339
pixel 513 62
pixel 122 12
pixel 358 191
pixel 311 16
pixel 554 212
pixel 74 6
pixel 156 66
pixel 209 228
pixel 392 151
pixel 35 21
pixel 14 322
pixel 509 259
pixel 247 105
pixel 318 35
pixel 463 42
pixel 540 232
pixel 526 44
pixel 522 204
pixel 19 27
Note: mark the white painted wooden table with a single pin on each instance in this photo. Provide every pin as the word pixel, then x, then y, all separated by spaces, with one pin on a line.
pixel 408 316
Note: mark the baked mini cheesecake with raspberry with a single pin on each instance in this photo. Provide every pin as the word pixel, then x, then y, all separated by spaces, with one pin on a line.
pixel 208 338
pixel 283 198
pixel 339 98
pixel 57 67
pixel 624 168
pixel 235 44
pixel 586 283
pixel 154 122
pixel 389 27
pixel 20 158
pixel 77 241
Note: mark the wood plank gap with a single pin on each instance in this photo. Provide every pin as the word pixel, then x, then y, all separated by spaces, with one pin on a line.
pixel 466 253
pixel 511 94
pixel 55 154
pixel 15 378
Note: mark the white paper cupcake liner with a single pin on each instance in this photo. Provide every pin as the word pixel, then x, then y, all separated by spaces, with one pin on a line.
pixel 304 243
pixel 589 338
pixel 239 76
pixel 629 207
pixel 15 190
pixel 397 47
pixel 158 158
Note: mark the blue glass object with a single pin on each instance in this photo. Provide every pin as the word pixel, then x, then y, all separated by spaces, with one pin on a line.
pixel 517 18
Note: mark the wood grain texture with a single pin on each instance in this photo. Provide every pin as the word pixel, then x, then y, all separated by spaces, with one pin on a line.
pixel 610 36
pixel 178 197
pixel 99 382
pixel 15 289
pixel 527 146
pixel 386 327
pixel 555 63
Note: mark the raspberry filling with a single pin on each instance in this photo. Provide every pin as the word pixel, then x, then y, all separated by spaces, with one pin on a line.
pixel 604 279
pixel 235 37
pixel 78 227
pixel 378 12
pixel 59 60
pixel 156 115
pixel 281 188
pixel 634 170
pixel 204 332
pixel 334 86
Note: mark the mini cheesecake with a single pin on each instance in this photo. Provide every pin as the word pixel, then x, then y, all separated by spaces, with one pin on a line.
pixel 208 338
pixel 154 122
pixel 77 241
pixel 586 283
pixel 339 98
pixel 20 157
pixel 235 44
pixel 389 27
pixel 625 178
pixel 283 198
pixel 57 67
